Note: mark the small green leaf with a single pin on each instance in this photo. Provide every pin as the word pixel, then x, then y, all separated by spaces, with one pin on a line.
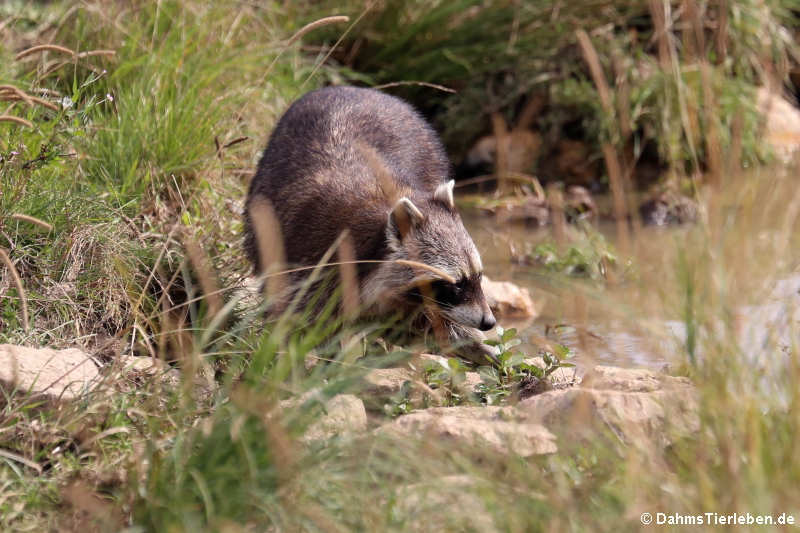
pixel 561 351
pixel 517 359
pixel 454 364
pixel 508 334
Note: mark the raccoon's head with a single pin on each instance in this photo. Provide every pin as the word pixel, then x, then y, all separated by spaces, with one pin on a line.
pixel 431 232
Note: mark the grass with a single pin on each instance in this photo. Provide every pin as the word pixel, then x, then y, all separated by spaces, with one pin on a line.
pixel 148 156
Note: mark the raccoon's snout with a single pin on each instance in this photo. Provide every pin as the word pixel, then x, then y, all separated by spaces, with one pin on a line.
pixel 487 322
pixel 472 316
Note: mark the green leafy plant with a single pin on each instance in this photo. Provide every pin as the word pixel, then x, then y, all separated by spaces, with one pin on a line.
pixel 588 255
pixel 515 369
pixel 448 376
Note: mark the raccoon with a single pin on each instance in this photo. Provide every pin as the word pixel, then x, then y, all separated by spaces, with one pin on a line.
pixel 358 160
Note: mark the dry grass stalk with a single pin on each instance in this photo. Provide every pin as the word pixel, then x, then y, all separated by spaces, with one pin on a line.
pixel 721 32
pixel 30 100
pixel 20 289
pixel 713 145
pixel 735 152
pixel 533 106
pixel 596 70
pixel 388 185
pixel 44 103
pixel 21 460
pixel 337 43
pixel 657 13
pixel 694 19
pixel 559 219
pixel 16 120
pixel 44 48
pixel 582 318
pixel 349 277
pixel 616 176
pixel 623 98
pixel 269 242
pixel 32 220
pixel 336 19
pixel 205 276
pixel 407 262
pixel 9 92
pixel 503 144
pixel 413 82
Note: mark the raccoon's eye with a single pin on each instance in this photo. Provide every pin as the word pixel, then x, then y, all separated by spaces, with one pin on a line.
pixel 449 293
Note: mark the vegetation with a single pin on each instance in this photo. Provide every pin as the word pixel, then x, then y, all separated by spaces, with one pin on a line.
pixel 121 176
pixel 502 56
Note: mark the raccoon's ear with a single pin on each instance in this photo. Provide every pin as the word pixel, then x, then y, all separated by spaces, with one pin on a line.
pixel 444 194
pixel 403 217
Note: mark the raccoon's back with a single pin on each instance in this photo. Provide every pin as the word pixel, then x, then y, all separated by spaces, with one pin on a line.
pixel 320 132
pixel 315 173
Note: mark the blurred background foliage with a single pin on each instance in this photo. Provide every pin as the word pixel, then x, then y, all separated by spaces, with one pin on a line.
pixel 499 55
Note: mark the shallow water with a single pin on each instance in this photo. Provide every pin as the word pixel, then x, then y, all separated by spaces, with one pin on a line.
pixel 629 337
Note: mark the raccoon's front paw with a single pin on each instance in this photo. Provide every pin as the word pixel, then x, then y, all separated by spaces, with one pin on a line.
pixel 480 354
pixel 469 345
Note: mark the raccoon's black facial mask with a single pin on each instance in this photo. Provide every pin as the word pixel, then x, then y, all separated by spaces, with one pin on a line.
pixel 451 294
pixel 464 302
pixel 446 294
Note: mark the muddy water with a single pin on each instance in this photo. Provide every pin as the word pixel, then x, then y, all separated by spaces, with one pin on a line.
pixel 576 313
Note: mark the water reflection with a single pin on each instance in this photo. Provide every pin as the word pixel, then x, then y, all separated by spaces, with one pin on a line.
pixel 572 311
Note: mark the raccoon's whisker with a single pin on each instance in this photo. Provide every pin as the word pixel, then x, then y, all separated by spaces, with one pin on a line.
pixel 439 303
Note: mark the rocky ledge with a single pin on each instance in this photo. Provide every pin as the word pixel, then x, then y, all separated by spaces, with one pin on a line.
pixel 636 406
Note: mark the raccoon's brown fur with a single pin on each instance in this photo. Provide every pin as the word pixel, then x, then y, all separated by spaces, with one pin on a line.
pixel 346 158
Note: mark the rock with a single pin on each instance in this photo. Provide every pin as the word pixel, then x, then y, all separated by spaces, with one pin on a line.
pixel 433 358
pixel 439 504
pixel 143 364
pixel 781 123
pixel 578 203
pixel 382 386
pixel 508 300
pixel 638 406
pixel 142 367
pixel 483 427
pixel 344 416
pixel 668 208
pixel 383 383
pixel 631 380
pixel 58 374
pixel 471 380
